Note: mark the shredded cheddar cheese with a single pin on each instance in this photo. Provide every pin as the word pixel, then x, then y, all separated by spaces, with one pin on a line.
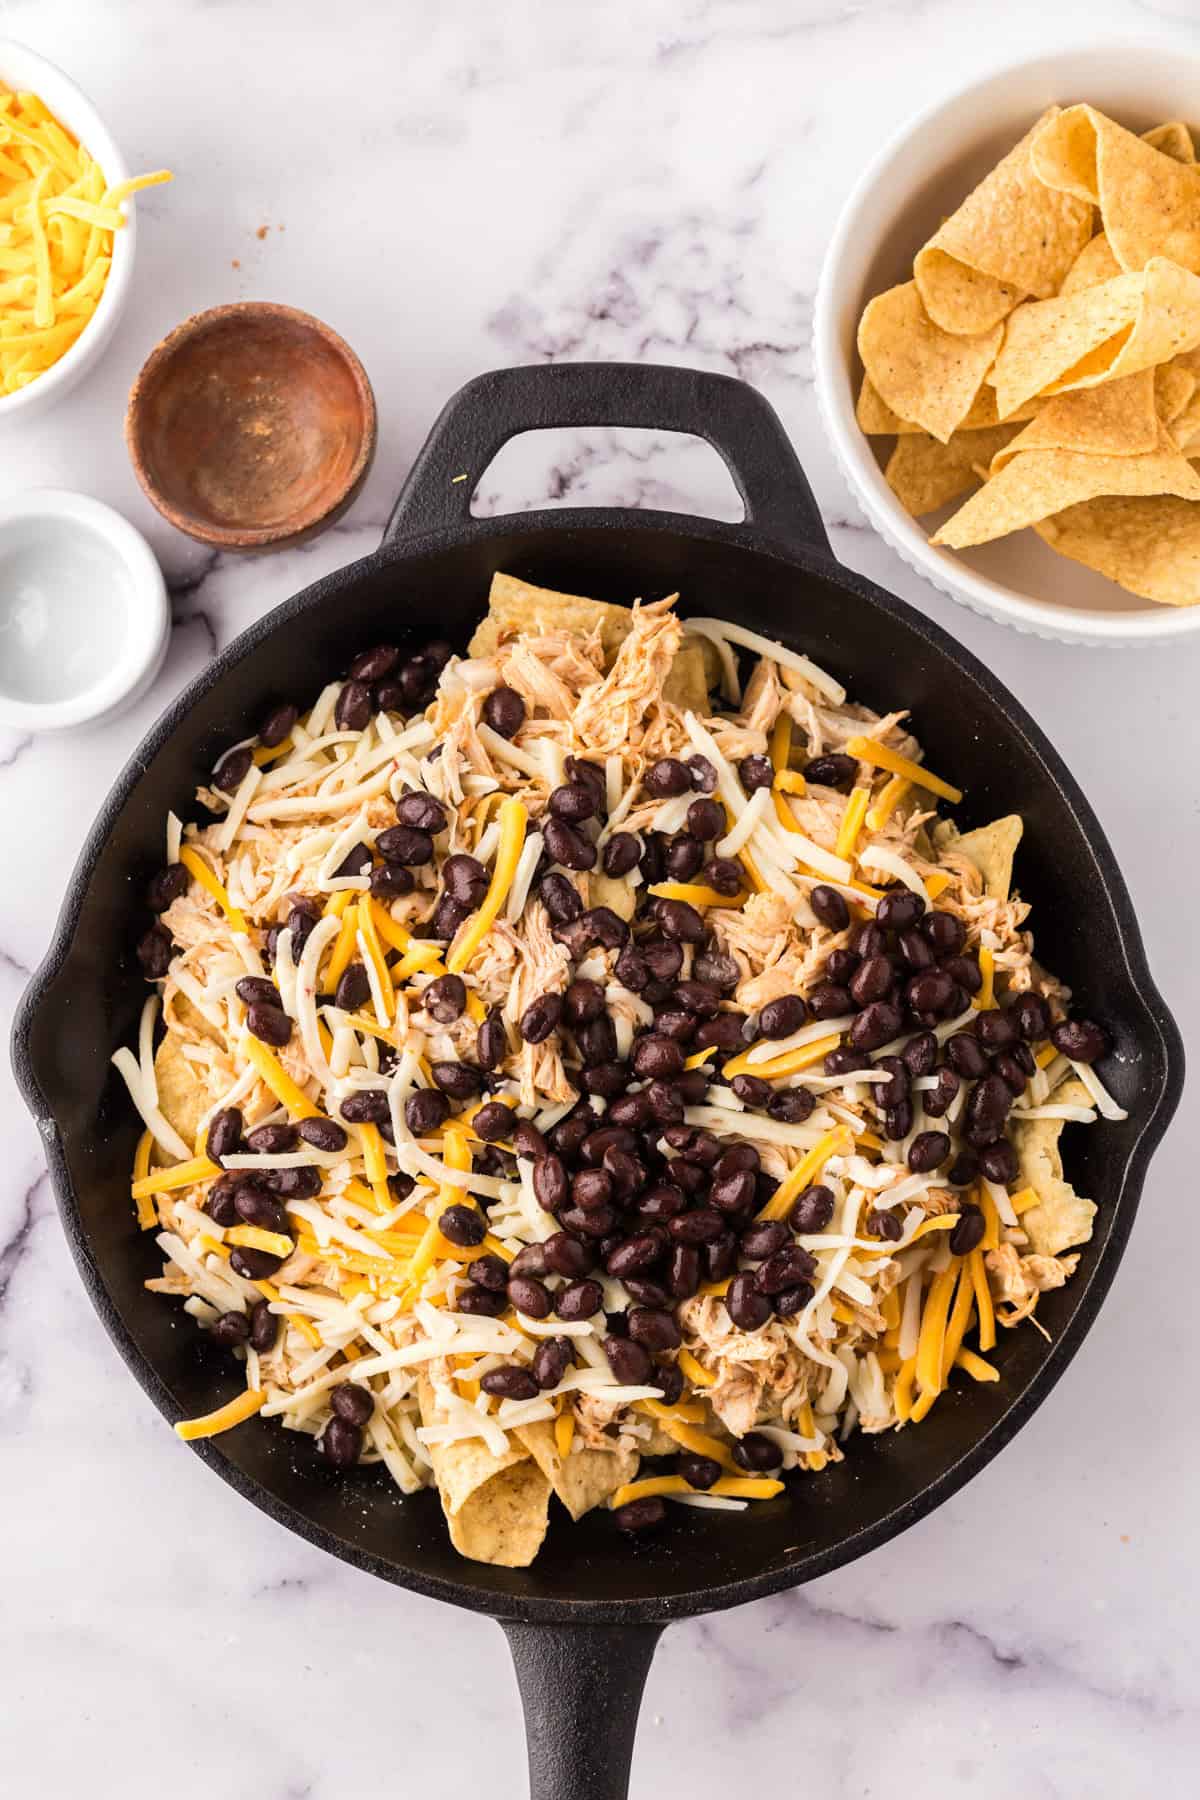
pixel 184 1174
pixel 695 893
pixel 695 1371
pixel 881 811
pixel 564 1433
pixel 224 1419
pixel 513 819
pixel 933 1331
pixel 147 1218
pixel 196 867
pixel 852 820
pixel 879 756
pixel 776 1067
pixel 983 1301
pixel 277 1079
pixel 780 1203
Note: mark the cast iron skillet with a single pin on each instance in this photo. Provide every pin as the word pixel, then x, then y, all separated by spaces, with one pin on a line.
pixel 584 1621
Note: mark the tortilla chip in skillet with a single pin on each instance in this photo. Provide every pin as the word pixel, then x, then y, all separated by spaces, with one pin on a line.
pixel 919 371
pixel 1062 1217
pixel 1013 235
pixel 583 1479
pixel 991 848
pixel 515 606
pixel 496 1507
pixel 924 474
pixel 1149 201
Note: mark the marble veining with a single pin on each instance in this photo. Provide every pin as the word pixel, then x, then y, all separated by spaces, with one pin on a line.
pixel 457 188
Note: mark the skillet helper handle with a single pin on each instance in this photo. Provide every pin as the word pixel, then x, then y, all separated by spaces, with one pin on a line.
pixel 581 1688
pixel 743 428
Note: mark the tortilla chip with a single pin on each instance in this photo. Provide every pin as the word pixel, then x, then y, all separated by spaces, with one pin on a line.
pixel 516 606
pixel 1062 1217
pixel 606 890
pixel 1097 334
pixel 878 420
pixel 924 474
pixel 1013 235
pixel 183 1096
pixel 991 848
pixel 922 373
pixel 1173 139
pixel 1150 546
pixel 1174 388
pixel 1094 264
pixel 1149 202
pixel 583 1479
pixel 1040 482
pixel 688 682
pixel 1118 418
pixel 496 1507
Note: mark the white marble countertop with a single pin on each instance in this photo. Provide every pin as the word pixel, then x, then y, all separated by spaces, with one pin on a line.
pixel 456 187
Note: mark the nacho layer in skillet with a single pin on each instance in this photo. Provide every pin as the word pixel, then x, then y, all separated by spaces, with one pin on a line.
pixel 564 1057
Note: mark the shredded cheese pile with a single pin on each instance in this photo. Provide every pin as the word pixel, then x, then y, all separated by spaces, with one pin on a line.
pixel 366 1285
pixel 57 219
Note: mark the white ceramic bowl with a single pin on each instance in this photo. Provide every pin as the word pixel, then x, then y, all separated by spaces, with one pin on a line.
pixel 84 613
pixel 22 68
pixel 913 183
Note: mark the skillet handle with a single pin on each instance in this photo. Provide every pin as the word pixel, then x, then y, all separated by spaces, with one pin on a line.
pixel 733 417
pixel 581 1687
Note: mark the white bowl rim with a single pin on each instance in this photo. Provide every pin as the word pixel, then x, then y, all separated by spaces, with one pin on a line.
pixel 68 102
pixel 150 614
pixel 1085 625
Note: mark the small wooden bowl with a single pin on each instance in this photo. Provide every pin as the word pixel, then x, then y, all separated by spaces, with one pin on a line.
pixel 251 426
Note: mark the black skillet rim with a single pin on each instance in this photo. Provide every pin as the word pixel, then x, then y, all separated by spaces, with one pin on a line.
pixel 992 693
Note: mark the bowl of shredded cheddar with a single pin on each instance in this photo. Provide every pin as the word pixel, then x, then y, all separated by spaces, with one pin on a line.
pixel 66 231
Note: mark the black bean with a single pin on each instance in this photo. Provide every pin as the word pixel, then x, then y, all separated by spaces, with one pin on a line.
pixel 445 998
pixel 270 1024
pixel 491 1042
pixel 899 909
pixel 1031 1016
pixel 892 1092
pixel 390 882
pixel 155 953
pixel 763 1239
pixel 898 1120
pixel 629 1362
pixel 751 1090
pixel 354 987
pixel 389 696
pixel 224 1133
pixel 663 1201
pixel 725 1032
pixel 351 1401
pixel 834 770
pixel 915 950
pixel 340 1443
pixel 945 931
pixel 354 862
pixel 732 1191
pixel 253 1265
pixel 928 1151
pixel 793 1300
pixel 655 1056
pixel 784 1268
pixel 579 769
pixel 700 1472
pixel 374 664
pixel 277 724
pixel 415 678
pixel 967 1235
pixel 278 1139
pixel 606 1080
pixel 931 994
pixel 464 1226
pixel 685 855
pixel 574 802
pixel 230 1329
pixel 597 1042
pixel 254 990
pixel 353 709
pixel 424 812
pixel 998 1160
pixel 875 1026
pixel 584 1001
pixel 663 958
pixel 757 1452
pixel 591 1189
pixel 406 844
pixel 829 1000
pixel 166 886
pixel 830 907
pixel 989 1103
pixel 965 972
pixel 747 1307
pixel 1024 1059
pixel 964 1169
pixel 465 880
pixel 481 1302
pixel 1080 1039
pixel 654 1328
pixel 844 1060
pixel 780 1017
pixel 919 1055
pixel 683 1271
pixel 886 1225
pixel 565 1255
pixel 872 980
pixel 756 772
pixel 367 1106
pixel 504 711
pixel 724 874
pixel 230 771
pixel 790 1106
pixel 665 1101
pixel 965 1055
pixel 839 967
pixel 293 1184
pixel 264 1326
pixel 939 1099
pixel 549 1180
pixel 667 777
pixel 640 1515
pixel 1011 1073
pixel 529 1296
pixel 218 1202
pixel 622 854
pixel 492 1122
pixel 706 820
pixel 703 1225
pixel 567 846
pixel 812 1211
pixel 490 1272
pixel 540 1018
pixel 424 1111
pixel 631 1111
pixel 579 1300
pixel 869 938
pixel 551 1360
pixel 737 1158
pixel 511 1381
pixel 605 927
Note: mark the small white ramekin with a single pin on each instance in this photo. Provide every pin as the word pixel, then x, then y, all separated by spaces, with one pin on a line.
pixel 22 68
pixel 910 186
pixel 84 613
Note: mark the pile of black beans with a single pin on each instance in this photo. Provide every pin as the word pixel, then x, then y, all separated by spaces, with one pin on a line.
pixel 635 1192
